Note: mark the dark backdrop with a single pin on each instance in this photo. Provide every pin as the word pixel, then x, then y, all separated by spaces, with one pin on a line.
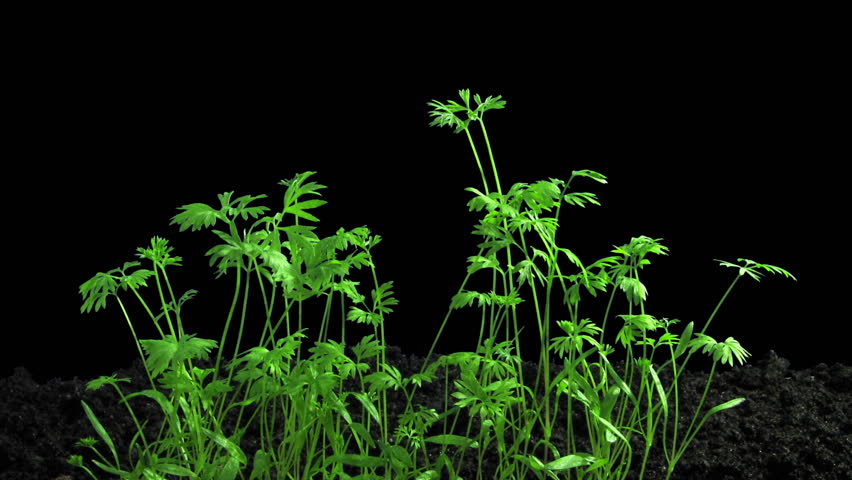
pixel 721 157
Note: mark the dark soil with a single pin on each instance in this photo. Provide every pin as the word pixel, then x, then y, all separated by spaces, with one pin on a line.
pixel 795 424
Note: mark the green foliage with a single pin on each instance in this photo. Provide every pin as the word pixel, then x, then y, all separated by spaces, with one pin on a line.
pixel 292 388
pixel 168 351
pixel 752 268
pixel 99 288
pixel 446 114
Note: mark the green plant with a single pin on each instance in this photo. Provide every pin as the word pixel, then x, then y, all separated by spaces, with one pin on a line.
pixel 618 404
pixel 322 411
pixel 269 386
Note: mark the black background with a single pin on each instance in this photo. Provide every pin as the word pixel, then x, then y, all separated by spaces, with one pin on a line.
pixel 722 150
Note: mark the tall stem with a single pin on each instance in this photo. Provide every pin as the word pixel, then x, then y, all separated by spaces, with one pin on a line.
pixel 490 156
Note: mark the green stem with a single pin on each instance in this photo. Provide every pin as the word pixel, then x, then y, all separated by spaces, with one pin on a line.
pixel 490 156
pixel 135 337
pixel 478 163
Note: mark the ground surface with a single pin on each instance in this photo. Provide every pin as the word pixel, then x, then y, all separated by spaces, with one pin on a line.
pixel 795 424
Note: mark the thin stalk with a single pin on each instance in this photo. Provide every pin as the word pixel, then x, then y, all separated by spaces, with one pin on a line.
pixel 174 301
pixel 490 156
pixel 135 337
pixel 478 163
pixel 231 310
pixel 157 269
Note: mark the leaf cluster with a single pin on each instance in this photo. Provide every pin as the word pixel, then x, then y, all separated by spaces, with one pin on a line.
pixel 447 114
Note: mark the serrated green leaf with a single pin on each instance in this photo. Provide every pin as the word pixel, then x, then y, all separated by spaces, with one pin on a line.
pixel 368 347
pixel 359 315
pixel 490 103
pixel 580 199
pixel 751 267
pixel 478 262
pixel 464 299
pixel 162 352
pixel 240 207
pixel 481 201
pixel 196 216
pixel 100 287
pixel 598 177
pixel 298 209
pixel 383 298
pixel 634 289
pixel 159 252
pixel 296 188
pixel 728 350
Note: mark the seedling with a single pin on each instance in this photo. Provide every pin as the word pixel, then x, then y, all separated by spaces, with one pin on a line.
pixel 321 411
